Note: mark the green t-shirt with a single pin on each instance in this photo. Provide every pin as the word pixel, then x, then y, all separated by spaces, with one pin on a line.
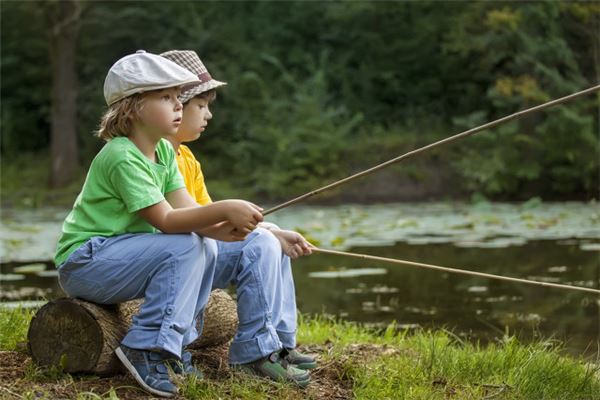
pixel 121 181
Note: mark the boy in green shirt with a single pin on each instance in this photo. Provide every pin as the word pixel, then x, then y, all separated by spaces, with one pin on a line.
pixel 134 231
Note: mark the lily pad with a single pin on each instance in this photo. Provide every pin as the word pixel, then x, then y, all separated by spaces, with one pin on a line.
pixel 51 273
pixel 30 268
pixel 348 273
pixel 590 247
pixel 558 269
pixel 477 289
pixel 11 277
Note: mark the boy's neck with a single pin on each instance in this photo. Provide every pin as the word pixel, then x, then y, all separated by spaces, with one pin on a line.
pixel 176 143
pixel 146 144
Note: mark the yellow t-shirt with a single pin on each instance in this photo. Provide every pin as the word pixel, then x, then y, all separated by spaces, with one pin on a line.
pixel 192 175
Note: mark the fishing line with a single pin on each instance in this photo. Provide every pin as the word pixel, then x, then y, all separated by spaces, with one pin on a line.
pixel 456 270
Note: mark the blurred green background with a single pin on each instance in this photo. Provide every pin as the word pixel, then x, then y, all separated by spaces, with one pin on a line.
pixel 319 90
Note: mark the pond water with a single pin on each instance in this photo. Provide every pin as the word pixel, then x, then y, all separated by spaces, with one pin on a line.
pixel 546 242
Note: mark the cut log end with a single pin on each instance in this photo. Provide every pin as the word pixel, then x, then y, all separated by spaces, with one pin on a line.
pixel 67 334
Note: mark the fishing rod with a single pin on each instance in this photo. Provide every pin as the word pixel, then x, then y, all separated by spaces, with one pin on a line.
pixel 432 145
pixel 455 270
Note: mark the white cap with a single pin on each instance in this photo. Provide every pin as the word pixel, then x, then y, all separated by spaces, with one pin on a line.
pixel 141 72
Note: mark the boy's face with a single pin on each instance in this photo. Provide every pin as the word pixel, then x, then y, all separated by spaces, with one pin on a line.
pixel 161 114
pixel 196 115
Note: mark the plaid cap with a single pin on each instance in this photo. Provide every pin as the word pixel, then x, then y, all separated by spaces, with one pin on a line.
pixel 189 59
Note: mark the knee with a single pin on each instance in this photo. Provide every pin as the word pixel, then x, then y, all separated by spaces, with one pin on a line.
pixel 201 253
pixel 266 243
pixel 194 246
pixel 209 246
pixel 204 247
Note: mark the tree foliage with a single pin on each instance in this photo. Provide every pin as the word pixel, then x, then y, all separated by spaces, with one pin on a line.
pixel 319 90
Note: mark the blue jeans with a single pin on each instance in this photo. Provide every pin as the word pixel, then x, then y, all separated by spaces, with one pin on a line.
pixel 172 272
pixel 265 295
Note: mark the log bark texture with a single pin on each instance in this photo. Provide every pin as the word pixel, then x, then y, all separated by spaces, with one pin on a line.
pixel 81 336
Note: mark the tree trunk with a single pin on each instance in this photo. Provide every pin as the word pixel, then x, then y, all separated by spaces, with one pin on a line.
pixel 81 336
pixel 63 30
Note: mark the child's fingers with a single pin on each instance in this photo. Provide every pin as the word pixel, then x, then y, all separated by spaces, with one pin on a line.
pixel 237 237
pixel 306 251
pixel 306 245
pixel 298 249
pixel 241 231
pixel 306 248
pixel 258 208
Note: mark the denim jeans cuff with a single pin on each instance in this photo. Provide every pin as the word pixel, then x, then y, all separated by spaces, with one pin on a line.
pixel 168 340
pixel 288 339
pixel 243 352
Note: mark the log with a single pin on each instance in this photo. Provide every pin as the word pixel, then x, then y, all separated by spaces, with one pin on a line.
pixel 79 336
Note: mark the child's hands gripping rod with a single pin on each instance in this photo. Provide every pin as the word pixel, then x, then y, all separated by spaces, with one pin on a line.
pixel 243 215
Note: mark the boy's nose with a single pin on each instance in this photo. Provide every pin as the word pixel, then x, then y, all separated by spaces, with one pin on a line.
pixel 208 114
pixel 178 105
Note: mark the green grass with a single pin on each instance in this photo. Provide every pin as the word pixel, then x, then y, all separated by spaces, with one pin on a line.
pixel 13 327
pixel 393 364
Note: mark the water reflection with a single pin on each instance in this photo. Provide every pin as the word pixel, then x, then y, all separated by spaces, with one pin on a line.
pixel 475 307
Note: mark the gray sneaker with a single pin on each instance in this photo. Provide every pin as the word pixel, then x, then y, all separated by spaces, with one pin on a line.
pixel 275 368
pixel 149 369
pixel 298 360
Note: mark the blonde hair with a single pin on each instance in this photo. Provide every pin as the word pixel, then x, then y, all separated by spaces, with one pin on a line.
pixel 118 119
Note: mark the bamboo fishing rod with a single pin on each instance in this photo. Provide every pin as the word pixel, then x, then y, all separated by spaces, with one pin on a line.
pixel 456 270
pixel 432 145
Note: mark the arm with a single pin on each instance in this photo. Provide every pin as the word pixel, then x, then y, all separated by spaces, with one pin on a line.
pixel 180 214
pixel 223 230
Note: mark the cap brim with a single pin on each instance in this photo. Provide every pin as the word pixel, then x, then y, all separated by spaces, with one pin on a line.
pixel 189 94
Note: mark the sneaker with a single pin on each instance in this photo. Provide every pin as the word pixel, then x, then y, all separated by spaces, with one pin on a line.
pixel 149 369
pixel 185 366
pixel 298 360
pixel 275 368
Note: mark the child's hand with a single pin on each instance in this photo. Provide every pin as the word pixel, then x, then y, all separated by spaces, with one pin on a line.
pixel 293 244
pixel 243 215
pixel 224 232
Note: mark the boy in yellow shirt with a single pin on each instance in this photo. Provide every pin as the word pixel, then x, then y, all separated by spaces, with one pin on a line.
pixel 259 266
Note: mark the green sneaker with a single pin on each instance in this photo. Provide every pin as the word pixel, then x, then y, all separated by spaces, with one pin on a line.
pixel 298 360
pixel 275 368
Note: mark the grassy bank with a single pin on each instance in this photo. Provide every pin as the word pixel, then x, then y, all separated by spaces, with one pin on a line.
pixel 354 363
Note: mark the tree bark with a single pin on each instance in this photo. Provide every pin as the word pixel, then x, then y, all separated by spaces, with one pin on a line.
pixel 80 336
pixel 63 20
